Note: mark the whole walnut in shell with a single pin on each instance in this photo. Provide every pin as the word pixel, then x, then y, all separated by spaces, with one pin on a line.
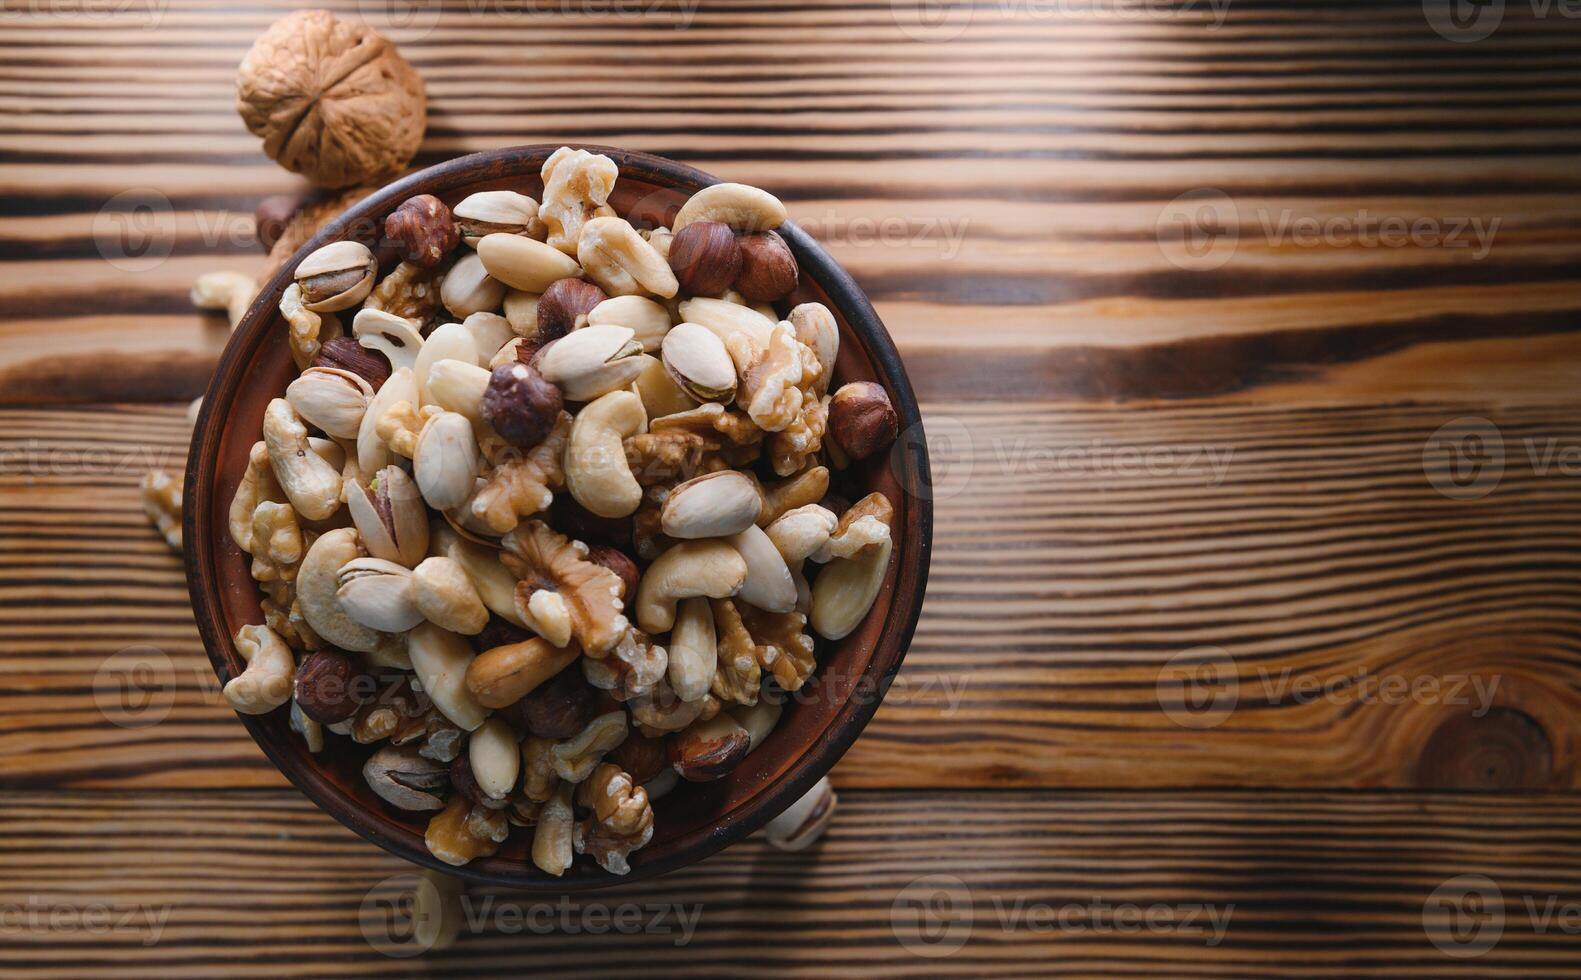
pixel 333 100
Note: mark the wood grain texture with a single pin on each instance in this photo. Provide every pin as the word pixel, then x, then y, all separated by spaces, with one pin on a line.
pixel 1009 194
pixel 1020 883
pixel 1021 177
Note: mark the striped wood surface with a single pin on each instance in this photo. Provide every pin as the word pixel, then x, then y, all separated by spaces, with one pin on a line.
pixel 1005 198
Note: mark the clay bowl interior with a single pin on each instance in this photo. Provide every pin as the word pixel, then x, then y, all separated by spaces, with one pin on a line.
pixel 695 820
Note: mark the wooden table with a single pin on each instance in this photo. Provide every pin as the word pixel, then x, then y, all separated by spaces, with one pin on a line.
pixel 1221 630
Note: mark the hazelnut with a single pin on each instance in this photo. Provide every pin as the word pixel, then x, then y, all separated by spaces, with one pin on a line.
pixel 643 758
pixel 861 419
pixel 520 405
pixel 705 258
pixel 273 216
pixel 345 354
pixel 331 686
pixel 708 750
pixel 462 780
pixel 768 269
pixel 422 230
pixel 564 306
pixel 560 707
pixel 616 561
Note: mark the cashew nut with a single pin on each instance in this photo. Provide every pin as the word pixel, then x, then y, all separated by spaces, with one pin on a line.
pixel 596 472
pixel 551 843
pixel 694 649
pixel 397 338
pixel 441 658
pixel 618 259
pixel 709 567
pixel 311 483
pixel 232 292
pixel 270 675
pixel 741 206
pixel 317 585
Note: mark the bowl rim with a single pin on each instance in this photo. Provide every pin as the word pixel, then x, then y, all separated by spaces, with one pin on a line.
pixel 910 459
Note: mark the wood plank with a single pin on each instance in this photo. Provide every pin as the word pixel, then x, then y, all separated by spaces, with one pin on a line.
pixel 904 884
pixel 1081 552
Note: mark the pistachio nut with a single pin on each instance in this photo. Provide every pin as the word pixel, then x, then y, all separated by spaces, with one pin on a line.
pixel 457 386
pixel 619 260
pixel 522 263
pixel 336 277
pixel 713 505
pixel 397 338
pixel 332 399
pixel 469 288
pixel 591 362
pixel 378 594
pixel 311 482
pixel 647 318
pixel 697 360
pixel 404 779
pixel 449 342
pixel 390 515
pixel 447 460
pixel 491 212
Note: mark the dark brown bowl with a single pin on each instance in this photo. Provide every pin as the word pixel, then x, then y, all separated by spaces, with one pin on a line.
pixel 695 820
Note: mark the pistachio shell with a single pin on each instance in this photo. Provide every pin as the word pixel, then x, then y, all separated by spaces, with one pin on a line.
pixel 698 362
pixel 591 362
pixel 378 594
pixel 332 399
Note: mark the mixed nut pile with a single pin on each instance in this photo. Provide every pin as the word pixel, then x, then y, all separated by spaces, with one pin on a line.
pixel 540 522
